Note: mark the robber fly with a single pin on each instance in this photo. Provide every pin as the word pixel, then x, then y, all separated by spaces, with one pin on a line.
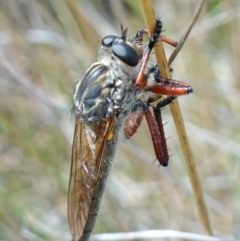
pixel 116 90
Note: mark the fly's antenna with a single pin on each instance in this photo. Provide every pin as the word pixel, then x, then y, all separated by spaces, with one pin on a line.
pixel 123 31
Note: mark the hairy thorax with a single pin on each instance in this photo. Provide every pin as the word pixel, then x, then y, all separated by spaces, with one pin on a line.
pixel 107 87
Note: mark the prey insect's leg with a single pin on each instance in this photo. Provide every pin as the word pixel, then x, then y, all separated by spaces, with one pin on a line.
pixel 140 80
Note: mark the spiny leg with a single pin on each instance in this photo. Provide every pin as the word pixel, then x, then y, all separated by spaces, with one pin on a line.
pixel 141 80
pixel 159 143
pixel 164 86
pixel 157 132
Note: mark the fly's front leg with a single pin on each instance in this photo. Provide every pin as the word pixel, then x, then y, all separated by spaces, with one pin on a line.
pixel 170 87
pixel 164 86
pixel 169 41
pixel 141 80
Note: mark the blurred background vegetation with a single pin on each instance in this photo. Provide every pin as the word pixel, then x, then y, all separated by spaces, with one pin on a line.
pixel 42 53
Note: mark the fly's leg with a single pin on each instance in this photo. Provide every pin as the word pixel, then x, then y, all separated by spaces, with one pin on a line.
pixel 164 102
pixel 169 41
pixel 141 79
pixel 139 40
pixel 159 143
pixel 155 125
pixel 158 119
pixel 170 87
pixel 157 132
pixel 164 86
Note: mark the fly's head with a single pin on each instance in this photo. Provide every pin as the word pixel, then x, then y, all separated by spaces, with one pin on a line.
pixel 120 50
pixel 121 54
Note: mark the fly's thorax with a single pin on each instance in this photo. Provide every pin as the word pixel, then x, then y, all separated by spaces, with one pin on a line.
pixel 100 93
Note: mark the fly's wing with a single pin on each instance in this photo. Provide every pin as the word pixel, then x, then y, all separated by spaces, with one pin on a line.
pixel 86 151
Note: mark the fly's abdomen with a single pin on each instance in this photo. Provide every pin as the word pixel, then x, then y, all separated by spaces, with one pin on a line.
pixel 105 169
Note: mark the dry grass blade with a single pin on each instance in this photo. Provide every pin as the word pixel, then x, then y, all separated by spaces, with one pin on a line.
pixel 149 17
pixel 84 26
pixel 184 37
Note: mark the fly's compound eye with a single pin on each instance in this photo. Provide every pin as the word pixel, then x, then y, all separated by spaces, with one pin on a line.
pixel 125 53
pixel 108 40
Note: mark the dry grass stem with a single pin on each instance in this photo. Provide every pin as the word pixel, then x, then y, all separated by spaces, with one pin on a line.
pixel 184 37
pixel 84 26
pixel 149 17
